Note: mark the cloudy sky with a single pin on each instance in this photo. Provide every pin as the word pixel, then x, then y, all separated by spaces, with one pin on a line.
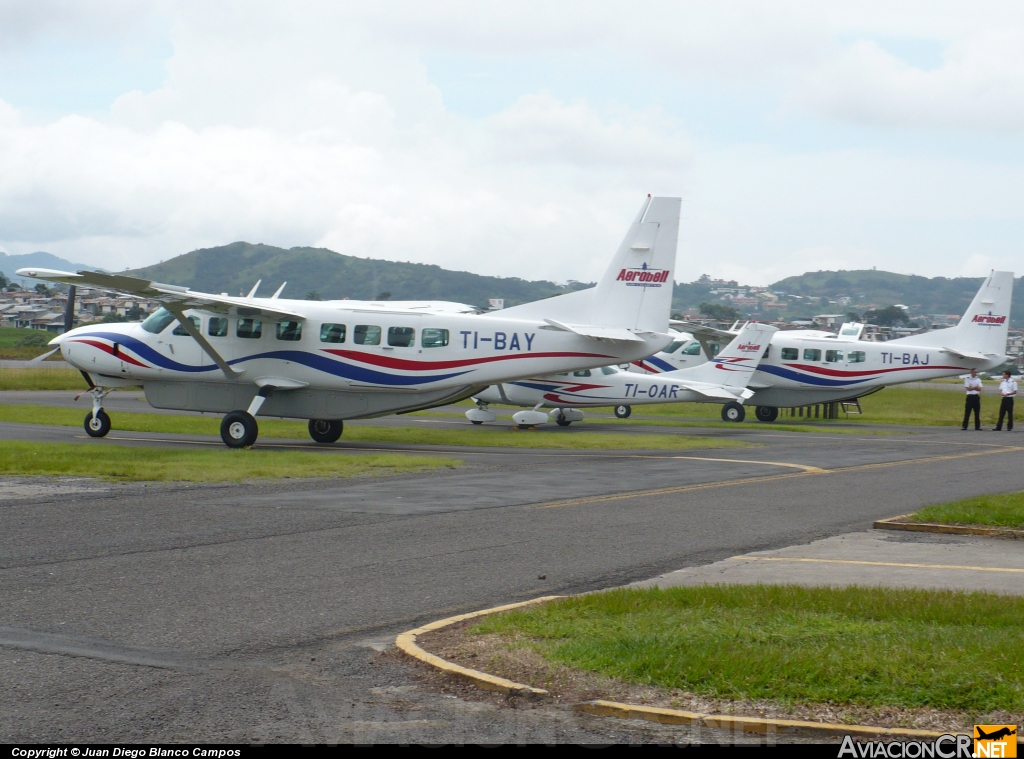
pixel 518 139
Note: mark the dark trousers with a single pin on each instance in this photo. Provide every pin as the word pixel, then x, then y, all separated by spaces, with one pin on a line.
pixel 1005 409
pixel 973 404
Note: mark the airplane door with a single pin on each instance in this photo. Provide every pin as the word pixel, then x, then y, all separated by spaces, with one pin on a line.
pixel 179 346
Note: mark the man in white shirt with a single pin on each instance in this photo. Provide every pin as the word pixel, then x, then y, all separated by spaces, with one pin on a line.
pixel 972 385
pixel 1007 389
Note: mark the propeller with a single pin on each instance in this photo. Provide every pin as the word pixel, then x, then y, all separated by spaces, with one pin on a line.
pixel 69 323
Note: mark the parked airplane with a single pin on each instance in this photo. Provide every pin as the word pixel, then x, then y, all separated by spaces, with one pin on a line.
pixel 802 368
pixel 722 380
pixel 337 360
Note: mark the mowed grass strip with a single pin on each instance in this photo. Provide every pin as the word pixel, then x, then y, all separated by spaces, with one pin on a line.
pixel 118 462
pixel 856 645
pixel 494 437
pixel 1006 510
pixel 42 378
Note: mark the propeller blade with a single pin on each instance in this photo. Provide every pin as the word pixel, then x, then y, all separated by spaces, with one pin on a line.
pixel 41 359
pixel 69 310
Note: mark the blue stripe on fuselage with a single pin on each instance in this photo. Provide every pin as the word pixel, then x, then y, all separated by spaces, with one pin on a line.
pixel 780 371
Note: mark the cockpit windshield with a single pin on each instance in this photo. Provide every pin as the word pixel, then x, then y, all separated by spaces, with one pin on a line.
pixel 673 346
pixel 157 321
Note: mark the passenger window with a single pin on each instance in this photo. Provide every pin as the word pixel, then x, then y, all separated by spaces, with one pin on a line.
pixel 289 331
pixel 157 321
pixel 790 354
pixel 833 356
pixel 366 334
pixel 401 337
pixel 332 333
pixel 856 357
pixel 812 354
pixel 180 329
pixel 249 328
pixel 433 338
pixel 715 348
pixel 693 349
pixel 584 373
pixel 609 370
pixel 218 327
pixel 673 346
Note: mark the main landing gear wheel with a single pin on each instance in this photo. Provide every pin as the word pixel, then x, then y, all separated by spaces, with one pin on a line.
pixel 766 413
pixel 623 412
pixel 325 430
pixel 561 421
pixel 97 426
pixel 239 429
pixel 733 412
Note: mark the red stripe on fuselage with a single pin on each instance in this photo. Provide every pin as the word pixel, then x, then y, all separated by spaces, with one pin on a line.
pixel 845 373
pixel 110 349
pixel 391 362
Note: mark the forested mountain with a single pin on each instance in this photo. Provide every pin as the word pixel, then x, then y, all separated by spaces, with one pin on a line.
pixel 235 268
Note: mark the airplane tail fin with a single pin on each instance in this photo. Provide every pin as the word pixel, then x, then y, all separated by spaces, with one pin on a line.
pixel 635 292
pixel 735 364
pixel 981 333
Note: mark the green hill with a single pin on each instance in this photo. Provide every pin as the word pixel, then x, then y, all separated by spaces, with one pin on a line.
pixel 235 268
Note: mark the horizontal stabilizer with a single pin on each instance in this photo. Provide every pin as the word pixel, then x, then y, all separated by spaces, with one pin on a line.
pixel 969 355
pixel 711 390
pixel 702 331
pixel 599 333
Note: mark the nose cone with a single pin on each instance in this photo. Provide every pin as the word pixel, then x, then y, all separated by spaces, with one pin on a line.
pixel 55 342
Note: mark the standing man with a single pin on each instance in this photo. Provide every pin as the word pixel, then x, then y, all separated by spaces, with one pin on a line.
pixel 972 385
pixel 1007 389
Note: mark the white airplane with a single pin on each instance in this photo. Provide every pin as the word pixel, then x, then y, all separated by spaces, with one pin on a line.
pixel 722 380
pixel 802 368
pixel 336 360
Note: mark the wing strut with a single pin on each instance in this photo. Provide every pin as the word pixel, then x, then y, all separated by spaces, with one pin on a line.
pixel 189 327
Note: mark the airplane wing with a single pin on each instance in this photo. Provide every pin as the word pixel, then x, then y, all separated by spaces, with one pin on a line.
pixel 701 331
pixel 173 297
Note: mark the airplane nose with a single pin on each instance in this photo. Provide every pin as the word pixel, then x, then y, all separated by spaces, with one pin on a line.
pixel 55 342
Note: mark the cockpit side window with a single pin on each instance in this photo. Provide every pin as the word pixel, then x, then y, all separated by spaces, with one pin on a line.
pixel 790 354
pixel 180 329
pixel 218 327
pixel 609 370
pixel 157 321
pixel 673 346
pixel 693 349
pixel 581 373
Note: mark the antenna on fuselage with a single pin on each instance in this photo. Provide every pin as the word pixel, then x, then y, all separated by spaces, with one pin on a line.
pixel 274 296
pixel 252 292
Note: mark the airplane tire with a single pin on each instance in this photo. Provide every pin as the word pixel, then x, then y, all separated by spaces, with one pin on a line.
pixel 733 412
pixel 326 430
pixel 766 413
pixel 623 412
pixel 239 429
pixel 561 421
pixel 99 426
pixel 476 422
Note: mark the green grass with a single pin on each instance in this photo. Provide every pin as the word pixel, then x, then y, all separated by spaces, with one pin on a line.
pixel 500 437
pixel 42 378
pixel 116 462
pixel 1005 510
pixel 864 646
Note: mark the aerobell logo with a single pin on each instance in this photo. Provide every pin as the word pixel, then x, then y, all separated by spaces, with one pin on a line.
pixel 988 320
pixel 643 277
pixel 748 347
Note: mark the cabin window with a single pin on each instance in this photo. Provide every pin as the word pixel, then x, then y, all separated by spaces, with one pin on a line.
pixel 434 338
pixel 332 333
pixel 249 328
pixel 790 354
pixel 833 356
pixel 857 357
pixel 366 334
pixel 693 349
pixel 715 348
pixel 180 329
pixel 218 327
pixel 609 370
pixel 401 337
pixel 157 321
pixel 289 331
pixel 812 354
pixel 767 352
pixel 582 373
pixel 673 346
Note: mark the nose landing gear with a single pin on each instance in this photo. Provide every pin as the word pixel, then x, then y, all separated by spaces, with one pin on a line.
pixel 97 423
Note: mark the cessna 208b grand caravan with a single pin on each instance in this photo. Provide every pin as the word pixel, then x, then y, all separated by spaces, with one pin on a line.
pixel 337 360
pixel 721 380
pixel 801 368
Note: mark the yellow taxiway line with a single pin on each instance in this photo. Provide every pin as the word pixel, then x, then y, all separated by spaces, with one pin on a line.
pixel 878 563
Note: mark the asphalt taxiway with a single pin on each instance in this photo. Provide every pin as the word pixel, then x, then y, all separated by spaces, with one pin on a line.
pixel 265 611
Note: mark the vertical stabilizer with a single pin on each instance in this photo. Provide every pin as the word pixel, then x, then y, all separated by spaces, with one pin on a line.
pixel 983 328
pixel 735 365
pixel 635 291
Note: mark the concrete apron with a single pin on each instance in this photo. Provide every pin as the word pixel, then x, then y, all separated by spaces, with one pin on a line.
pixel 872 558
